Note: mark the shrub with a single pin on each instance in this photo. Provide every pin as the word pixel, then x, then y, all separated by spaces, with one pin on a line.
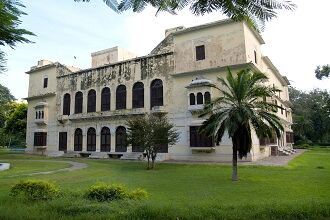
pixel 35 190
pixel 103 192
pixel 138 194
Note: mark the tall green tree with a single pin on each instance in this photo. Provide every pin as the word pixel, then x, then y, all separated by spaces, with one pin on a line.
pixel 322 72
pixel 311 114
pixel 149 133
pixel 255 12
pixel 10 32
pixel 240 108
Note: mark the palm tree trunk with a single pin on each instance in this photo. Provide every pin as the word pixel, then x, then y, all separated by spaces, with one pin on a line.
pixel 234 176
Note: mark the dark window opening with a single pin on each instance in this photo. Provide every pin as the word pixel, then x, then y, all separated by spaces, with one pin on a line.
pixel 45 82
pixel 199 140
pixel 138 95
pixel 78 140
pixel 39 114
pixel 42 114
pixel 199 98
pixel 105 139
pixel 207 97
pixel 78 106
pixel 200 52
pixel 156 93
pixel 121 139
pixel 105 99
pixel 91 101
pixel 62 141
pixel 192 100
pixel 66 104
pixel 121 97
pixel 91 139
pixel 40 138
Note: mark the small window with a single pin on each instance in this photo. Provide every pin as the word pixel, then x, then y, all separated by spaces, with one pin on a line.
pixel 91 139
pixel 200 52
pixel 42 114
pixel 62 141
pixel 78 140
pixel 207 97
pixel 199 140
pixel 121 97
pixel 105 99
pixel 138 95
pixel 192 99
pixel 36 115
pixel 199 98
pixel 66 104
pixel 40 138
pixel 91 101
pixel 156 93
pixel 255 57
pixel 45 82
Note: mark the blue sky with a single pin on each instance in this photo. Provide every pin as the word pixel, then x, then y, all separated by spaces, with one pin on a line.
pixel 296 41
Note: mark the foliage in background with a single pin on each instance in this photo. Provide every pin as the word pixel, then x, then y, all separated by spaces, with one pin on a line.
pixel 12 119
pixel 311 115
pixel 10 33
pixel 241 106
pixel 34 190
pixel 149 133
pixel 254 12
pixel 322 71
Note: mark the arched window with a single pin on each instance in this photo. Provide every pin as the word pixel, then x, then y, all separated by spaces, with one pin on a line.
pixel 156 93
pixel 207 97
pixel 121 139
pixel 36 115
pixel 91 139
pixel 138 95
pixel 78 105
pixel 91 101
pixel 121 97
pixel 105 99
pixel 199 98
pixel 105 139
pixel 66 104
pixel 192 99
pixel 78 140
pixel 42 114
pixel 39 114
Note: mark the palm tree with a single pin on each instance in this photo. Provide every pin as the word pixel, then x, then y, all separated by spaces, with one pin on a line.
pixel 254 12
pixel 241 107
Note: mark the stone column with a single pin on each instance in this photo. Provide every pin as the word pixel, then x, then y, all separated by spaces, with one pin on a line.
pixel 98 138
pixel 84 143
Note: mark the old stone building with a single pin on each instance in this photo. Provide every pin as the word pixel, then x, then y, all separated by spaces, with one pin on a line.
pixel 84 112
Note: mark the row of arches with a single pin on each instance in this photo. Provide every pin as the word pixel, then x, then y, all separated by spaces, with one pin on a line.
pixel 156 98
pixel 105 139
pixel 199 99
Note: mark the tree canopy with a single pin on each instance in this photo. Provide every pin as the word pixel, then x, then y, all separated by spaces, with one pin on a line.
pixel 242 106
pixel 311 115
pixel 255 12
pixel 322 72
pixel 149 133
pixel 10 33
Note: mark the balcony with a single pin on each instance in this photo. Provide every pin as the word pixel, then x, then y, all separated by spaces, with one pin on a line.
pixel 195 108
pixel 40 121
pixel 158 109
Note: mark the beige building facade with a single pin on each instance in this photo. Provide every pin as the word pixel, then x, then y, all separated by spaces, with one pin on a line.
pixel 83 112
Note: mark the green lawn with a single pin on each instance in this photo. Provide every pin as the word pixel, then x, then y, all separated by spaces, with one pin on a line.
pixel 178 191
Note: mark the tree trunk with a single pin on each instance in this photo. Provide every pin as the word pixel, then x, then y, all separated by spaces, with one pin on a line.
pixel 234 176
pixel 148 157
pixel 153 158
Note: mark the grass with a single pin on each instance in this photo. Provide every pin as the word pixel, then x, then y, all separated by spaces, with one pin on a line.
pixel 300 190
